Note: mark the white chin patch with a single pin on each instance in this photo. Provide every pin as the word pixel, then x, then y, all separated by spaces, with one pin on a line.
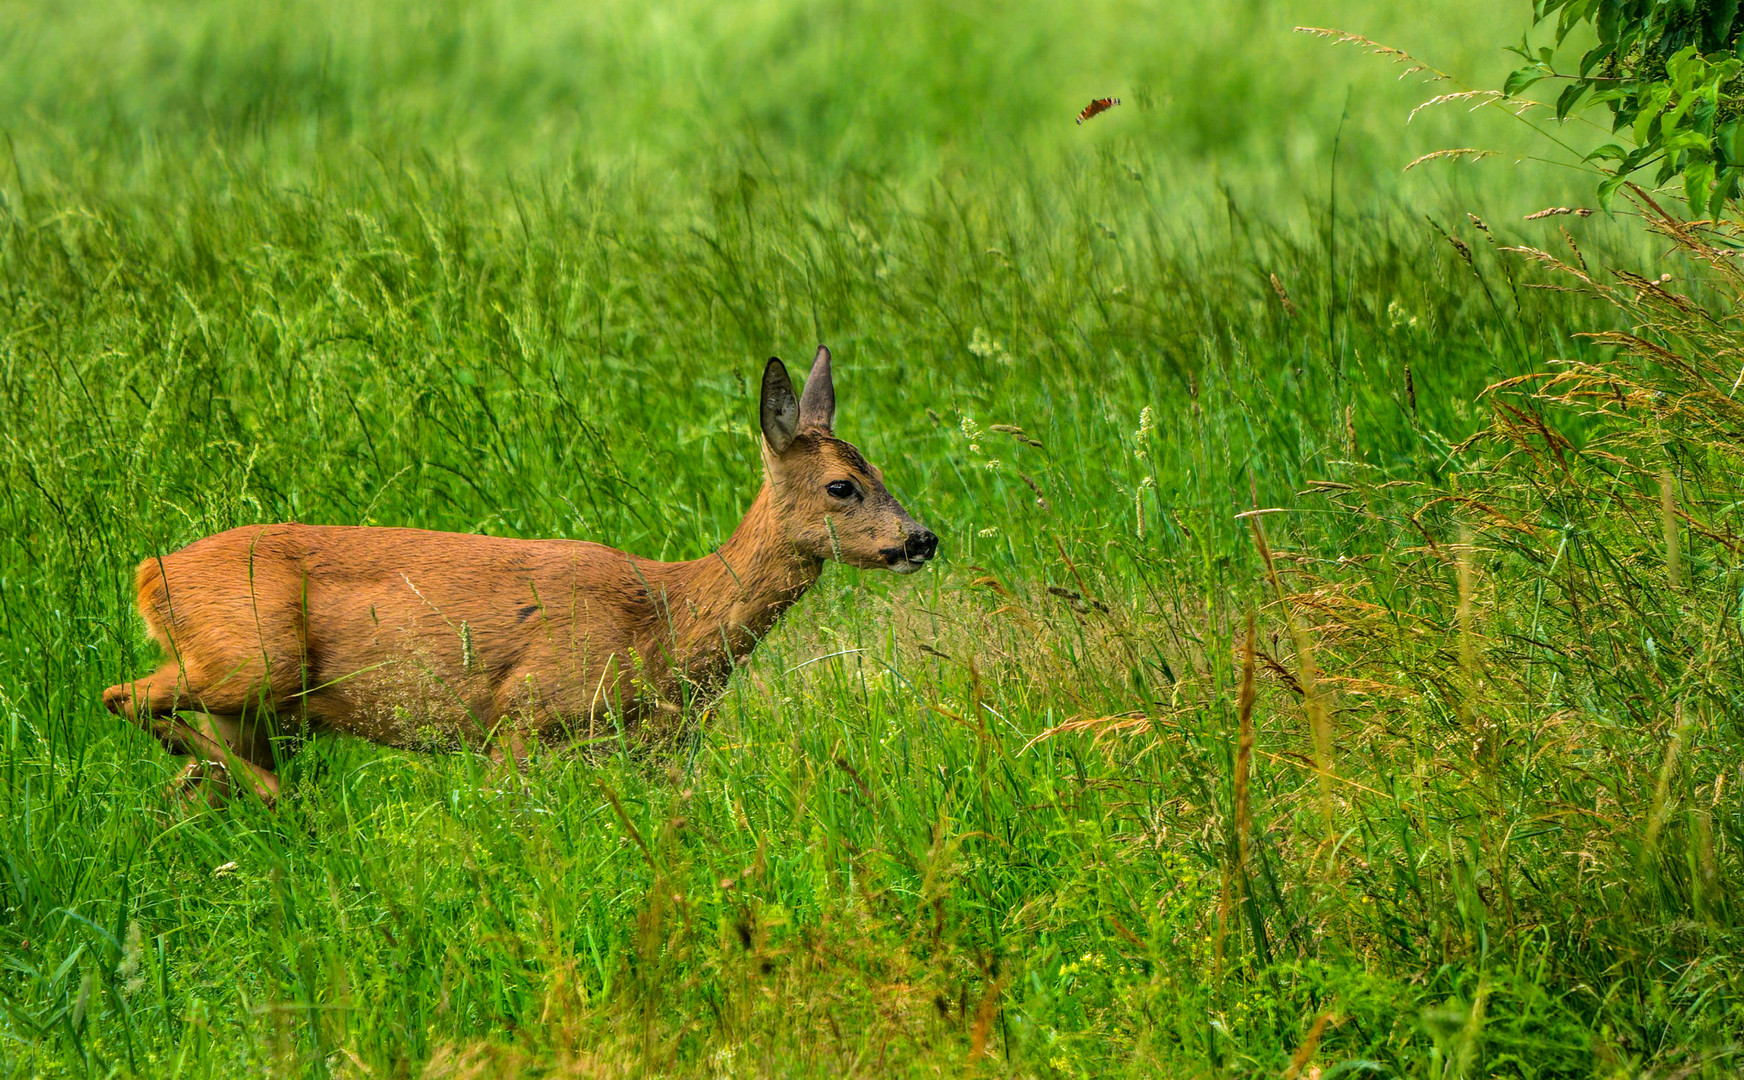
pixel 907 566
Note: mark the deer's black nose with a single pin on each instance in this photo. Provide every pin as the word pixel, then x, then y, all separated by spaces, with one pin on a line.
pixel 922 545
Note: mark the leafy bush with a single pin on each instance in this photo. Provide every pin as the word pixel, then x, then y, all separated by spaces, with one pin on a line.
pixel 1670 74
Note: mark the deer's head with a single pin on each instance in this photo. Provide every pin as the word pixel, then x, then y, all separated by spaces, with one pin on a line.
pixel 828 498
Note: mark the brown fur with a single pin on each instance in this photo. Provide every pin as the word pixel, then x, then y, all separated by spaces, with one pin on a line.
pixel 432 640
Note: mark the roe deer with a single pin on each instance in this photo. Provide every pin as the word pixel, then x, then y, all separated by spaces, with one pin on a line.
pixel 429 640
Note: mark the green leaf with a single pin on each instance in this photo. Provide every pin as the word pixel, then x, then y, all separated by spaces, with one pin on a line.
pixel 1606 23
pixel 1686 69
pixel 1672 119
pixel 1608 190
pixel 1725 187
pixel 1729 140
pixel 1567 100
pixel 1687 139
pixel 1520 79
pixel 1651 107
pixel 1698 184
pixel 1721 15
pixel 1608 152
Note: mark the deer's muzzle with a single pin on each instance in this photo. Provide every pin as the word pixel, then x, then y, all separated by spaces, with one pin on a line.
pixel 917 547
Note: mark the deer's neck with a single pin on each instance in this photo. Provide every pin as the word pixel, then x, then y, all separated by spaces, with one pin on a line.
pixel 718 607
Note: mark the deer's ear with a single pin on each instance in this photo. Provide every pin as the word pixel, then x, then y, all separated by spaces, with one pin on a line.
pixel 779 412
pixel 817 406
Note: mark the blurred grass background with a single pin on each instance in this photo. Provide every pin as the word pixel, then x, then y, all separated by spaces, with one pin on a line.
pixel 513 267
pixel 903 91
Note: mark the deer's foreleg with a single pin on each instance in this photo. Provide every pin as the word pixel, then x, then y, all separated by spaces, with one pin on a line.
pixel 216 763
pixel 152 703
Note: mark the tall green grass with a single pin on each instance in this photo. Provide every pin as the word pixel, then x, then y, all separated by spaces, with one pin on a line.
pixel 513 268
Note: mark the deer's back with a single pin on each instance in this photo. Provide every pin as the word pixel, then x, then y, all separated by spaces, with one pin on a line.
pixel 404 635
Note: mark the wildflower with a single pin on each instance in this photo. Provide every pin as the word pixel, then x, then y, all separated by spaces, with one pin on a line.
pixel 983 345
pixel 972 432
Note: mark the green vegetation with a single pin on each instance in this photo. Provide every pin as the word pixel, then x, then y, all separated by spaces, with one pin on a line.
pixel 514 267
pixel 1668 73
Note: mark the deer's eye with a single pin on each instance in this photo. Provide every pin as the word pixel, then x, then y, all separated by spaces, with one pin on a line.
pixel 840 489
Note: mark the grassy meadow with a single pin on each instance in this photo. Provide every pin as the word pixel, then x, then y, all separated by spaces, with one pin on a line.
pixel 1463 802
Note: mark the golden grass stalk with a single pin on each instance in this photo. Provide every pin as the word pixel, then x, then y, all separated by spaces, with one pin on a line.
pixel 1244 748
pixel 1465 153
pixel 1233 891
pixel 1662 791
pixel 1668 512
pixel 1283 296
pixel 1481 97
pixel 1319 721
pixel 1463 614
pixel 1557 211
pixel 1411 64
